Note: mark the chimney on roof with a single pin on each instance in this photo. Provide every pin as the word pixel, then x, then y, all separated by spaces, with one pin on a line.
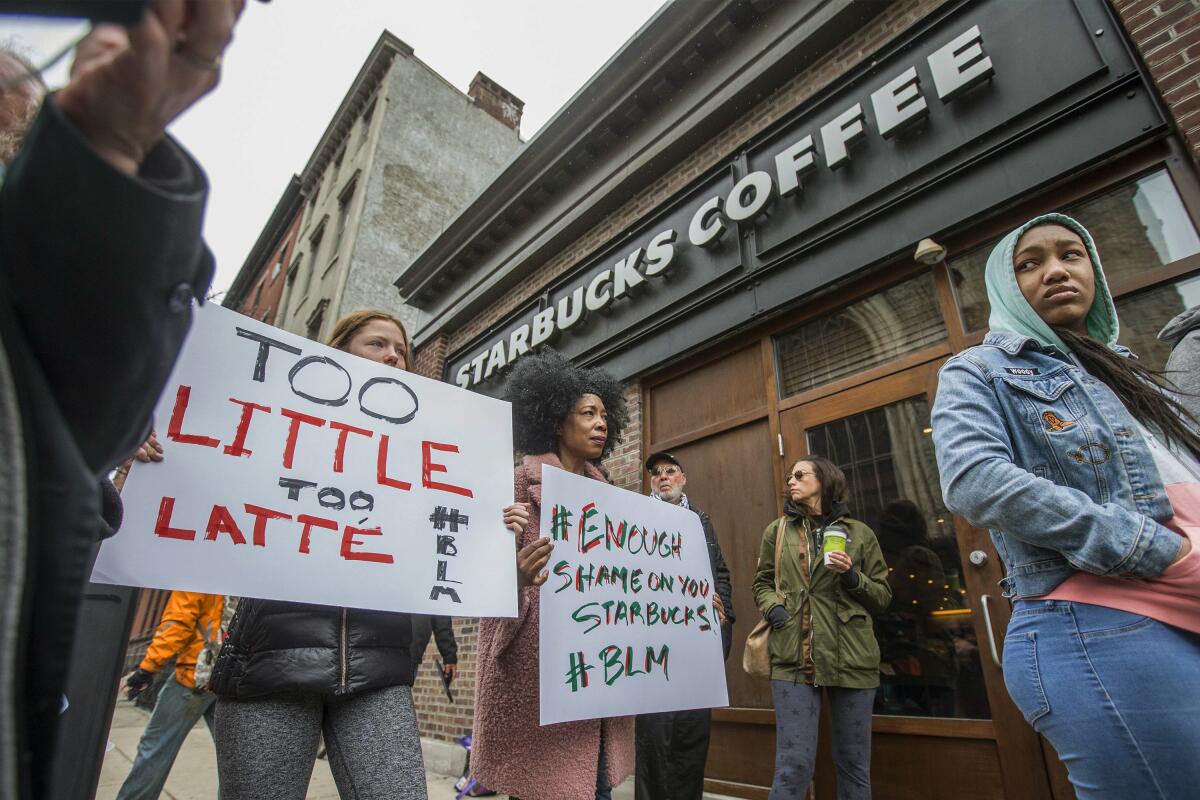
pixel 496 100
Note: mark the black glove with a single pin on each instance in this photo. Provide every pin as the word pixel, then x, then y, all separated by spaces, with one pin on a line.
pixel 850 578
pixel 778 617
pixel 136 682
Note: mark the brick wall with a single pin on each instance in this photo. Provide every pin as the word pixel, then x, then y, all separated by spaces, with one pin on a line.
pixel 430 359
pixel 1167 35
pixel 437 716
pixel 624 464
pixel 263 296
pixel 890 23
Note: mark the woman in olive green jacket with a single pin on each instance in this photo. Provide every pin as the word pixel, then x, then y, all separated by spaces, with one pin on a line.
pixel 822 635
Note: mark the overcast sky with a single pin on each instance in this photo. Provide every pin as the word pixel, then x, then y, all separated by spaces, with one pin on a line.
pixel 293 60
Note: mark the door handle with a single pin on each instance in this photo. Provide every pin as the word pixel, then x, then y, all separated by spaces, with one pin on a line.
pixel 985 605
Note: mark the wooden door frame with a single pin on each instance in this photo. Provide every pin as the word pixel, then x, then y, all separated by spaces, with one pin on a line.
pixel 1019 748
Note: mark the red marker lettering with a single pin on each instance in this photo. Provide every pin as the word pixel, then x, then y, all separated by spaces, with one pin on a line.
pixel 289 449
pixel 163 526
pixel 219 521
pixel 238 447
pixel 175 427
pixel 381 476
pixel 261 515
pixel 348 541
pixel 344 430
pixel 308 522
pixel 428 468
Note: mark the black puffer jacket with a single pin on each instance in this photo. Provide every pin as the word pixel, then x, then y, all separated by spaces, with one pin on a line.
pixel 278 649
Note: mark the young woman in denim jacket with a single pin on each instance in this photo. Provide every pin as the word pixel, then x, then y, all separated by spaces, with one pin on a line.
pixel 1083 466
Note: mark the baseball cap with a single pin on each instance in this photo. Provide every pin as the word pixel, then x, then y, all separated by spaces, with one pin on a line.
pixel 661 455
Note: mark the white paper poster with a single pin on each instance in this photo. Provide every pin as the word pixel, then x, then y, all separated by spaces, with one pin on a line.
pixel 627 620
pixel 294 471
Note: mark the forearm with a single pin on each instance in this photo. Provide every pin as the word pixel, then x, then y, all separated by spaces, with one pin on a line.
pixel 443 633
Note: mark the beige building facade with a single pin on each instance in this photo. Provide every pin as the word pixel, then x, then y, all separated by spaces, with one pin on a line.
pixel 402 155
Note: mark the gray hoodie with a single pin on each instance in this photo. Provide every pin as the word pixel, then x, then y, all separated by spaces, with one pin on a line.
pixel 1183 367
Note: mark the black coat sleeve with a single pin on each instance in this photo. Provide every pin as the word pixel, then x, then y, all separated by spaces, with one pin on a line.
pixel 100 268
pixel 443 634
pixel 721 579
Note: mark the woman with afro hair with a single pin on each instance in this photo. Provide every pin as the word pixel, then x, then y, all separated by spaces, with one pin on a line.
pixel 569 418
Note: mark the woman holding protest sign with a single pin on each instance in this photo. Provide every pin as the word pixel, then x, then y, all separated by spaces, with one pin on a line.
pixel 290 672
pixel 568 418
pixel 821 578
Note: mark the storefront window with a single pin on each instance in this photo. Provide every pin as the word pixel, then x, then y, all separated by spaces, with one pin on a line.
pixel 1144 314
pixel 1138 226
pixel 929 655
pixel 882 327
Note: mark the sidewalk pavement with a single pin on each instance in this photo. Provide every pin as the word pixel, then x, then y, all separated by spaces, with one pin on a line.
pixel 194 776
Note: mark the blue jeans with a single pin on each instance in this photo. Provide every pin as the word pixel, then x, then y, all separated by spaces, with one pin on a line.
pixel 1116 694
pixel 177 710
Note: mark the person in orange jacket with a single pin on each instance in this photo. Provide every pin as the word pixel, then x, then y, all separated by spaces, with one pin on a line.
pixel 191 631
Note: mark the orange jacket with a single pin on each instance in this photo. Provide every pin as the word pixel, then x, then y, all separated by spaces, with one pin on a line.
pixel 188 619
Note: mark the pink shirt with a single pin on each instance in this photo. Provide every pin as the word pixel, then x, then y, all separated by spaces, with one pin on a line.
pixel 1174 596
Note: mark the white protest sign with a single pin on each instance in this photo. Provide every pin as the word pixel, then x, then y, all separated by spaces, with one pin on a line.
pixel 627 620
pixel 294 471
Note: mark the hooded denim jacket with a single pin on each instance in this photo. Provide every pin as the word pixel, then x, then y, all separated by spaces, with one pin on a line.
pixel 1048 459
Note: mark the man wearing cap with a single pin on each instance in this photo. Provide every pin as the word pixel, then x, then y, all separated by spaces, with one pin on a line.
pixel 672 746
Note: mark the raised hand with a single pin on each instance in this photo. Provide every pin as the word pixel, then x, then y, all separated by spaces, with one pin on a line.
pixel 127 84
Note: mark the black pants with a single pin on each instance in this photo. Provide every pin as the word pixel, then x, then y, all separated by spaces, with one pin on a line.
pixel 671 750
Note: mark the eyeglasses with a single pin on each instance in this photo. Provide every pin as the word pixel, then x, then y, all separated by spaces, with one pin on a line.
pixel 669 472
pixel 801 474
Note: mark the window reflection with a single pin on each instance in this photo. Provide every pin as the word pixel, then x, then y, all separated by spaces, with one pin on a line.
pixel 879 328
pixel 1145 314
pixel 1138 226
pixel 928 651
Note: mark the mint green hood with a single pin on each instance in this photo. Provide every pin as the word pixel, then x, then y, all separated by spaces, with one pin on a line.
pixel 1011 311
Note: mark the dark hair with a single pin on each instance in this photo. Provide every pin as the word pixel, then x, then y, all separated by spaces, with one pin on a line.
pixel 1144 391
pixel 543 388
pixel 831 478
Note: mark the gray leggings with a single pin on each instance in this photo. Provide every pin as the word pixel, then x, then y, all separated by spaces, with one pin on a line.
pixel 266 748
pixel 797 716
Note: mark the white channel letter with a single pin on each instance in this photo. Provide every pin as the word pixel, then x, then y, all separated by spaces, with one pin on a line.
pixel 960 65
pixel 570 309
pixel 792 163
pixel 597 298
pixel 477 365
pixel 757 182
pixel 495 359
pixel 899 101
pixel 707 223
pixel 836 136
pixel 518 343
pixel 543 326
pixel 659 252
pixel 626 275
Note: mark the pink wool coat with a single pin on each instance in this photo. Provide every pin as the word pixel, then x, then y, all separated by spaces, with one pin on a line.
pixel 511 753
